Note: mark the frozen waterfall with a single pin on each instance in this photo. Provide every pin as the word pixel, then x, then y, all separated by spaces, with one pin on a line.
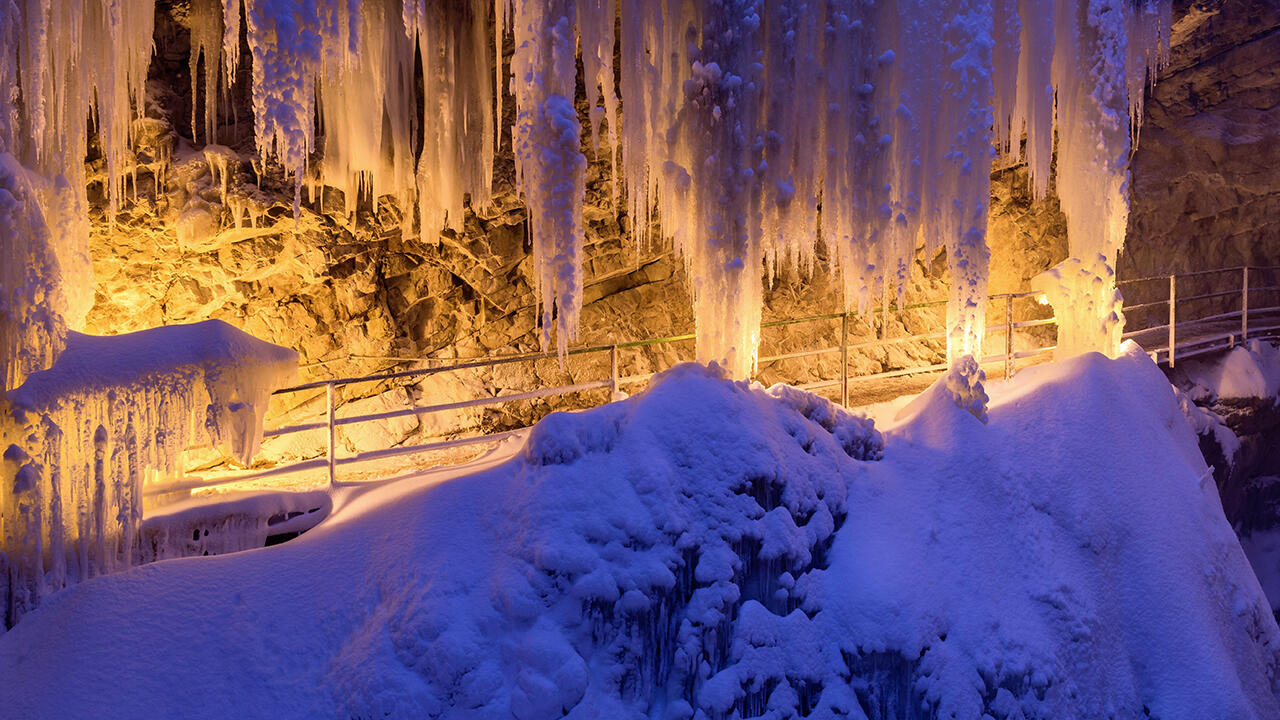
pixel 752 130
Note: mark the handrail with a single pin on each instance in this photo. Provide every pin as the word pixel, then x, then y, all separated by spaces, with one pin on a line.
pixel 1006 328
pixel 491 361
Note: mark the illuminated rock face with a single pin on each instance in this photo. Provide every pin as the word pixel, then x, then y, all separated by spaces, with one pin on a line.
pixel 1206 192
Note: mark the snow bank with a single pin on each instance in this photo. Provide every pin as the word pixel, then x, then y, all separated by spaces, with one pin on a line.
pixel 710 549
pixel 110 416
pixel 1245 372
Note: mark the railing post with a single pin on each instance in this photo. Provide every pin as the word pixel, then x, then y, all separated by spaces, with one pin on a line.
pixel 1244 308
pixel 844 359
pixel 329 402
pixel 1008 337
pixel 613 373
pixel 1173 316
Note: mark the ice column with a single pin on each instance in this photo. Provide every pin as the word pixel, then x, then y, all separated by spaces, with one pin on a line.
pixel 32 330
pixel 550 166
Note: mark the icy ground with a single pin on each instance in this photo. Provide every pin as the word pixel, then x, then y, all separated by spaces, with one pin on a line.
pixel 710 549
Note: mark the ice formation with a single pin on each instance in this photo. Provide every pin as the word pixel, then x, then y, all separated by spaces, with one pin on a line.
pixel 73 61
pixel 720 140
pixel 963 385
pixel 1087 305
pixel 752 128
pixel 32 329
pixel 111 415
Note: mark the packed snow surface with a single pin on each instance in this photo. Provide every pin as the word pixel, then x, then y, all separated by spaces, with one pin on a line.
pixel 713 549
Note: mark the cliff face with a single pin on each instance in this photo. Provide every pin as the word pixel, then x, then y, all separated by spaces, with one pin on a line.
pixel 1206 174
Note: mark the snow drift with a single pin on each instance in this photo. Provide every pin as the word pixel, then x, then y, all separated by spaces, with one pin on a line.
pixel 713 549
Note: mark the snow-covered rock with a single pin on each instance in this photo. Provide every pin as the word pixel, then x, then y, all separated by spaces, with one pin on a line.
pixel 712 549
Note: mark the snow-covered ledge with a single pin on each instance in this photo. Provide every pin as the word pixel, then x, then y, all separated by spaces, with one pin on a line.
pixel 81 439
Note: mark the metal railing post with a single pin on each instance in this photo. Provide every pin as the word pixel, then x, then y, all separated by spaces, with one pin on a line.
pixel 1173 316
pixel 613 373
pixel 844 359
pixel 1008 337
pixel 1244 308
pixel 329 402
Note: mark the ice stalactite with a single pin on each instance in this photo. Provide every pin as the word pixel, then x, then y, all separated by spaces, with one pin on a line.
pixel 366 108
pixel 963 129
pixel 459 135
pixel 32 329
pixel 112 415
pixel 285 43
pixel 1105 52
pixel 206 45
pixel 550 166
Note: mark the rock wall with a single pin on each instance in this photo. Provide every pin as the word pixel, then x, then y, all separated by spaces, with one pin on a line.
pixel 1206 173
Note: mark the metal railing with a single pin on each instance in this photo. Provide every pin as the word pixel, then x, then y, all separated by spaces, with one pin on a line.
pixel 1210 332
pixel 1199 343
pixel 614 383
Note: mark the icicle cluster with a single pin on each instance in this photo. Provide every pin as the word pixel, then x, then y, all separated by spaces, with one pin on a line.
pixel 112 414
pixel 65 62
pixel 752 128
pixel 756 127
pixel 353 66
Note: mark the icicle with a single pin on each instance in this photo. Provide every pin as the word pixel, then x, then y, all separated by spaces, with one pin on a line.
pixel 286 42
pixel 458 128
pixel 1033 107
pixel 206 42
pixel 550 166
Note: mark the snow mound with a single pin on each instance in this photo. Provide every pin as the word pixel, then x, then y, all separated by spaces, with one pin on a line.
pixel 642 529
pixel 1245 372
pixel 711 549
